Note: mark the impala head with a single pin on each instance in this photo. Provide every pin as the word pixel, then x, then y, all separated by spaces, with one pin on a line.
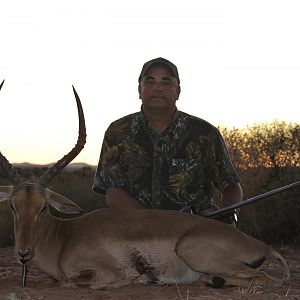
pixel 28 201
pixel 27 205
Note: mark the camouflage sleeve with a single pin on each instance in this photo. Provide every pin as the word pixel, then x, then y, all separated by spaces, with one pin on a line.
pixel 221 169
pixel 109 172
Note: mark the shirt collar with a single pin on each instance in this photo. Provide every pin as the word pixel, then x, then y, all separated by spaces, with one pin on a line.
pixel 146 122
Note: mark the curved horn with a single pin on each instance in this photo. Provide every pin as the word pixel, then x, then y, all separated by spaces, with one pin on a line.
pixel 1 84
pixel 11 173
pixel 62 163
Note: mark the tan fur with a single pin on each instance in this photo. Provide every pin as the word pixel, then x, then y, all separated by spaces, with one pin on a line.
pixel 114 247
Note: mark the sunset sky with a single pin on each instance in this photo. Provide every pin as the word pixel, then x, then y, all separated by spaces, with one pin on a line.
pixel 239 63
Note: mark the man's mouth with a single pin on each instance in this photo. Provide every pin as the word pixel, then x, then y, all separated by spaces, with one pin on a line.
pixel 158 97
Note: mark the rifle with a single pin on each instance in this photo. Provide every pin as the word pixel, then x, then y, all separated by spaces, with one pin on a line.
pixel 252 200
pixel 232 208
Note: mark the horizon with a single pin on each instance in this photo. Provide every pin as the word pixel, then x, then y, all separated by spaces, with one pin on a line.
pixel 51 163
pixel 265 126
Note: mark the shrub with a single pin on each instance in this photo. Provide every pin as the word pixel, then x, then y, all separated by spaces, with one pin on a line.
pixel 267 156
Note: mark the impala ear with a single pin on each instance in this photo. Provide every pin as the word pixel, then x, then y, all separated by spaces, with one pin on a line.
pixel 65 208
pixel 4 202
pixel 4 197
pixel 63 204
pixel 5 192
pixel 6 222
pixel 5 212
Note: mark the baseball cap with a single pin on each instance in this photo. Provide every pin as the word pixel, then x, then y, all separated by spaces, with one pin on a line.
pixel 159 60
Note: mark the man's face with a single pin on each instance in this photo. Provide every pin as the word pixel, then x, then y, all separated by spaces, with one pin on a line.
pixel 159 88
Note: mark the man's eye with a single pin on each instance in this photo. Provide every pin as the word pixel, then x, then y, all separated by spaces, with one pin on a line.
pixel 166 82
pixel 150 81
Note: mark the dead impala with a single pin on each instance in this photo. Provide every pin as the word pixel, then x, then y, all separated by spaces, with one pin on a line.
pixel 115 247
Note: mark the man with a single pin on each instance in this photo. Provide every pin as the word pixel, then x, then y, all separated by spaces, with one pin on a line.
pixel 161 157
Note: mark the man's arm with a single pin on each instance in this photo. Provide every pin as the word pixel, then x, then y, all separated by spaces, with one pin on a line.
pixel 119 198
pixel 232 194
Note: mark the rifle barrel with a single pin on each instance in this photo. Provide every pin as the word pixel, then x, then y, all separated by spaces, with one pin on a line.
pixel 253 199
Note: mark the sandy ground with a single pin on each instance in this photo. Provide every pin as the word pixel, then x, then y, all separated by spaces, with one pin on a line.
pixel 41 287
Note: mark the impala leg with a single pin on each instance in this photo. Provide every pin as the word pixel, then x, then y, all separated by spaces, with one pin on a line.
pixel 93 272
pixel 222 260
pixel 244 280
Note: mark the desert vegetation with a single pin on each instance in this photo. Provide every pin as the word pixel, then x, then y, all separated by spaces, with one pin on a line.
pixel 267 145
pixel 266 157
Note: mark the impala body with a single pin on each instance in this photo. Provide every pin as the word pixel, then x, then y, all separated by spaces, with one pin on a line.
pixel 115 247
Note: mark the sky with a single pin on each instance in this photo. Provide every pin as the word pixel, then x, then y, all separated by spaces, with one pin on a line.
pixel 239 64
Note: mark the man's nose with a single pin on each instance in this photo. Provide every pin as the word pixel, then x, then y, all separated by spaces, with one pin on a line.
pixel 158 85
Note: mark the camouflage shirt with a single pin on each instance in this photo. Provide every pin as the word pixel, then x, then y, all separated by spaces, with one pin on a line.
pixel 173 169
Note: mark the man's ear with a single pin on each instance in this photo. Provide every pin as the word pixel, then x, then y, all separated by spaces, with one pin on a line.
pixel 178 90
pixel 139 90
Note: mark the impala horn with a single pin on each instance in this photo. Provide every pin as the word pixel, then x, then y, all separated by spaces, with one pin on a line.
pixel 47 176
pixel 12 174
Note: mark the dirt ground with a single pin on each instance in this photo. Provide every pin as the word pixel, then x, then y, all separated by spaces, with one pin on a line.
pixel 41 287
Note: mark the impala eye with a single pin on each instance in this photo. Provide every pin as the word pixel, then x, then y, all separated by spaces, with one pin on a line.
pixel 12 208
pixel 42 209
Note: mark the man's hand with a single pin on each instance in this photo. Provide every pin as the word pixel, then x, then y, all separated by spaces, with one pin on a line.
pixel 229 217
